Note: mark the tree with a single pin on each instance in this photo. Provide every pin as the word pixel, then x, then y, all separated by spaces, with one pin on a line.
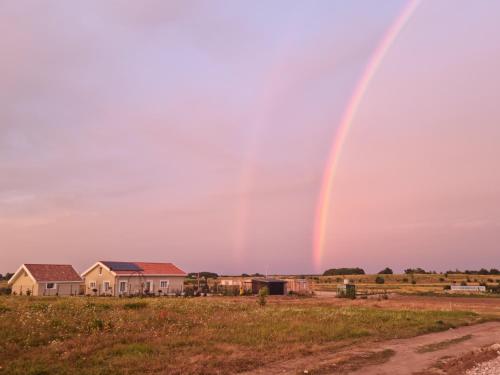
pixel 344 271
pixel 379 280
pixel 386 271
pixel 415 270
pixel 205 274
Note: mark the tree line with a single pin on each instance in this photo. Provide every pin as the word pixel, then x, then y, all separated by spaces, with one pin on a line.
pixel 6 277
pixel 408 271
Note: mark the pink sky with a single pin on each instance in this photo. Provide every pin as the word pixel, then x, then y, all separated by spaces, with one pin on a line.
pixel 198 134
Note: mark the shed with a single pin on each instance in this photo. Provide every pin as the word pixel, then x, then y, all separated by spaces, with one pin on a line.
pixel 347 290
pixel 275 286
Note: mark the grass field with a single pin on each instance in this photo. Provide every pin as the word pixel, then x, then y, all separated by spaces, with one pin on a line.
pixel 190 336
pixel 403 283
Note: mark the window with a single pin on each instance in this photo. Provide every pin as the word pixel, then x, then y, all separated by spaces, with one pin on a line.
pixel 149 286
pixel 123 286
pixel 92 285
pixel 100 271
pixel 50 286
pixel 164 284
pixel 106 286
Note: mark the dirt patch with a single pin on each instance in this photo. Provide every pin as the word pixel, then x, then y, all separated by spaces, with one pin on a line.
pixel 397 357
pixel 353 363
pixel 459 365
pixel 442 344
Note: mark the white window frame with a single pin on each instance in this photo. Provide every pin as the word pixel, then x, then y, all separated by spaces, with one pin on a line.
pixel 106 285
pixel 100 271
pixel 92 285
pixel 54 286
pixel 120 283
pixel 164 287
pixel 151 286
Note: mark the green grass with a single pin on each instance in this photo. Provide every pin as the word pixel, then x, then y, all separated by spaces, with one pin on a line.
pixel 188 336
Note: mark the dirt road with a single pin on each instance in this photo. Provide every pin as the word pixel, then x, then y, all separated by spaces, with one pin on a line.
pixel 402 356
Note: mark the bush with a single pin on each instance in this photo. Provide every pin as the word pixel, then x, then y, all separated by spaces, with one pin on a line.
pixel 379 280
pixel 386 271
pixel 97 324
pixel 463 283
pixel 5 291
pixel 416 270
pixel 135 305
pixel 263 293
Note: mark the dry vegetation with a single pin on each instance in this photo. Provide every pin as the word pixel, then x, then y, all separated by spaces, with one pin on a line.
pixel 404 283
pixel 190 336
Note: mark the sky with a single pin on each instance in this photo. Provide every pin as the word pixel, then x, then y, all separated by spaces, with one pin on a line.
pixel 198 133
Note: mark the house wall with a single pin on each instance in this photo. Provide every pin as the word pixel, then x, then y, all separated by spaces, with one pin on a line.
pixel 23 283
pixel 298 285
pixel 136 284
pixel 99 277
pixel 61 289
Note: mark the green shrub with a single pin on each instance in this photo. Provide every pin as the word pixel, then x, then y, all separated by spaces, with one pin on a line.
pixel 135 305
pixel 97 324
pixel 263 293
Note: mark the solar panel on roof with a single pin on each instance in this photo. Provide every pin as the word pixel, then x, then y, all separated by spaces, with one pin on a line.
pixel 122 266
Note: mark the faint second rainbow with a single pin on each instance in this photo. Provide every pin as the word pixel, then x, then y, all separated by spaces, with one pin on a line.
pixel 376 58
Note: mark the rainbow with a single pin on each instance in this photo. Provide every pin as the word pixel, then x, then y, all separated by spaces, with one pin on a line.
pixel 324 199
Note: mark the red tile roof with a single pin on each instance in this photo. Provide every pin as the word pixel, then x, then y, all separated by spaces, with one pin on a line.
pixel 148 268
pixel 53 272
